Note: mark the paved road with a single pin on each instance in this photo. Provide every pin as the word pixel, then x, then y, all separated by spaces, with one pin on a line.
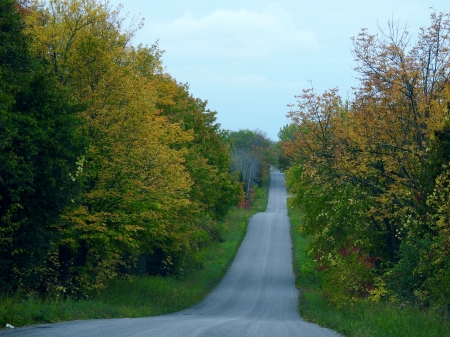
pixel 257 296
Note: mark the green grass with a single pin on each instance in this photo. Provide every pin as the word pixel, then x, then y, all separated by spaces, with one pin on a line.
pixel 362 319
pixel 142 296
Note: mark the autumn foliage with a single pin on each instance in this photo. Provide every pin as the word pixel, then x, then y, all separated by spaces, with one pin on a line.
pixel 108 165
pixel 372 173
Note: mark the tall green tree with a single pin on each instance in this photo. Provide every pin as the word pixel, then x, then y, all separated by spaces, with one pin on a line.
pixel 207 157
pixel 285 135
pixel 39 147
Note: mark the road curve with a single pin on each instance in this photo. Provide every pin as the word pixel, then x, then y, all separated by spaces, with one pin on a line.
pixel 257 297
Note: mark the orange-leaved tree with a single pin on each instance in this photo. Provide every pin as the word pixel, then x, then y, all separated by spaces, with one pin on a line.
pixel 380 158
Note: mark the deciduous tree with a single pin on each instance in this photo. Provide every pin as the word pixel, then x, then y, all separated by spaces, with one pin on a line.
pixel 386 147
pixel 39 147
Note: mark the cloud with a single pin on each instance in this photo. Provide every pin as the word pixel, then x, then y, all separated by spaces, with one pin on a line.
pixel 227 78
pixel 259 82
pixel 234 34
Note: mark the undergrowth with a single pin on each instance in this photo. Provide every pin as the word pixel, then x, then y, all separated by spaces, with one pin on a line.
pixel 364 318
pixel 144 295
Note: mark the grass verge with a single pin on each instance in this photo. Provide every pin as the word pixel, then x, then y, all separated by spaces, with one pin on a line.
pixel 142 296
pixel 365 318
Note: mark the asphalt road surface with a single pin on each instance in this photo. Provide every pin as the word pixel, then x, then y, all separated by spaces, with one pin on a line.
pixel 257 297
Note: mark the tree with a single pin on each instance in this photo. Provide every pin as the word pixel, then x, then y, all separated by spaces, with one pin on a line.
pixel 39 147
pixel 155 175
pixel 135 188
pixel 206 156
pixel 386 147
pixel 251 154
pixel 285 135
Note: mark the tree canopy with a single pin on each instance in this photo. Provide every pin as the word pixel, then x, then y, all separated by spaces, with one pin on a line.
pixel 40 143
pixel 372 173
pixel 108 165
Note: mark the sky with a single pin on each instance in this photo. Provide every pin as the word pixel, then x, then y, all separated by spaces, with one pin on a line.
pixel 250 58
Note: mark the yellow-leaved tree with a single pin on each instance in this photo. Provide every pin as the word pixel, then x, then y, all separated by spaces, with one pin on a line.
pixel 136 189
pixel 372 173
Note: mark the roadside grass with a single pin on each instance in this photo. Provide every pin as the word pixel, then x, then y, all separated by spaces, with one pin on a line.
pixel 365 318
pixel 142 296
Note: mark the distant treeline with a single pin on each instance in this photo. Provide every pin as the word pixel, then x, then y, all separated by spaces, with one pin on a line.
pixel 108 165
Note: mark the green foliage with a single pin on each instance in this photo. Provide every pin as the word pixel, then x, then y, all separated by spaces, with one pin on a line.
pixel 107 165
pixel 145 295
pixel 403 279
pixel 252 153
pixel 364 318
pixel 285 135
pixel 39 147
pixel 206 156
pixel 343 244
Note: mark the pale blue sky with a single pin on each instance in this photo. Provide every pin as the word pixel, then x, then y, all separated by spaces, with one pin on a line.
pixel 249 58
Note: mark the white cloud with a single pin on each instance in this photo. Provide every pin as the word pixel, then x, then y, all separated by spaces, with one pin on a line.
pixel 238 34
